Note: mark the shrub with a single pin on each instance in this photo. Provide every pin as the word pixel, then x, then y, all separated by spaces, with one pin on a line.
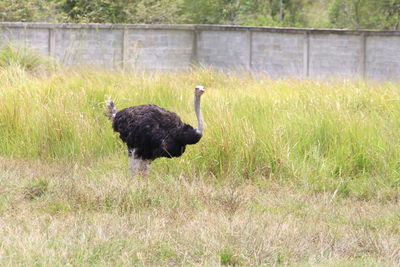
pixel 27 59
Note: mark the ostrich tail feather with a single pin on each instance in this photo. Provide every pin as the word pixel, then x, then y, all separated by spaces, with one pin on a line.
pixel 111 109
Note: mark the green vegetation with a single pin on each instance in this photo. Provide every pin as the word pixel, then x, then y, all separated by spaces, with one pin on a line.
pixel 25 59
pixel 353 14
pixel 288 172
pixel 337 136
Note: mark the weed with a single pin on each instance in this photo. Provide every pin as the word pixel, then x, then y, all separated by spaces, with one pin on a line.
pixel 277 179
pixel 24 58
pixel 37 188
pixel 227 258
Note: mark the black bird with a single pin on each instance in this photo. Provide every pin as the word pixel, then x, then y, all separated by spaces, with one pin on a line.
pixel 151 132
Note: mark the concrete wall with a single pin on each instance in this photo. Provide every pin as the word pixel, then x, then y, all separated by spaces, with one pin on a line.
pixel 158 49
pixel 277 52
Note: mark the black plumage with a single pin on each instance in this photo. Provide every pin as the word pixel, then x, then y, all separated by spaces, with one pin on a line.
pixel 154 132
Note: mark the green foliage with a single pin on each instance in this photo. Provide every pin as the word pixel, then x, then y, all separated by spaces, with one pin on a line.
pixel 159 12
pixel 331 136
pixel 203 11
pixel 30 10
pixel 365 14
pixel 98 11
pixel 122 11
pixel 227 258
pixel 24 58
pixel 353 14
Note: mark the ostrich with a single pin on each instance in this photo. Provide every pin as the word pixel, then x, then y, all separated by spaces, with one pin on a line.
pixel 151 132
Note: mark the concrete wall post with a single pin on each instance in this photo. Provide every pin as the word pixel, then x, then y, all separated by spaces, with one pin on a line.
pixel 52 42
pixel 306 55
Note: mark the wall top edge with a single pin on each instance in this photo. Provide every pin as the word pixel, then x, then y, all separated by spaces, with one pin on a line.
pixel 192 27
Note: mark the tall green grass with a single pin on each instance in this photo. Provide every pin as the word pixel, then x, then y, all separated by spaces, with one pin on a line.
pixel 27 59
pixel 340 136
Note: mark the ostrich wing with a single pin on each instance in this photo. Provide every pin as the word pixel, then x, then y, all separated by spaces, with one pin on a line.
pixel 146 128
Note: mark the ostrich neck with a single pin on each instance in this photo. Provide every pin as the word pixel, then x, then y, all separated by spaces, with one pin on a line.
pixel 200 122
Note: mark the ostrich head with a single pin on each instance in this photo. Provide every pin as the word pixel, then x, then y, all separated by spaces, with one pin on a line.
pixel 198 92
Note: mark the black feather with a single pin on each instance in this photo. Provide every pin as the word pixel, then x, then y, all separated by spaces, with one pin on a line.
pixel 153 131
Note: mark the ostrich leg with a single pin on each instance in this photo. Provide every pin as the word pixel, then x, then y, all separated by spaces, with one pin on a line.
pixel 138 165
pixel 144 167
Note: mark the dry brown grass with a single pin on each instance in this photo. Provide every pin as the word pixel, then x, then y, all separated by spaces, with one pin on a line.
pixel 94 214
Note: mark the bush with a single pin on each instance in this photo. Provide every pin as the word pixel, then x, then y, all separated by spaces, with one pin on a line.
pixel 27 59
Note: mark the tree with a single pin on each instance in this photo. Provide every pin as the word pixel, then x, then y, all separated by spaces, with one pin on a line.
pixel 30 10
pixel 365 14
pixel 390 10
pixel 275 12
pixel 99 11
pixel 158 12
pixel 353 14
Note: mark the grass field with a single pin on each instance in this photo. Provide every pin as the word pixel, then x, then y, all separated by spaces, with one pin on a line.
pixel 288 172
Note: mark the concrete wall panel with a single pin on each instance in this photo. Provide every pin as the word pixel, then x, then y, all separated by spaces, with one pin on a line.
pixel 37 39
pixel 278 54
pixel 97 47
pixel 383 57
pixel 159 49
pixel 334 55
pixel 226 50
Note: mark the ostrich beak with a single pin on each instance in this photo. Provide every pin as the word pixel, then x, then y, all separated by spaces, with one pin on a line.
pixel 200 88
